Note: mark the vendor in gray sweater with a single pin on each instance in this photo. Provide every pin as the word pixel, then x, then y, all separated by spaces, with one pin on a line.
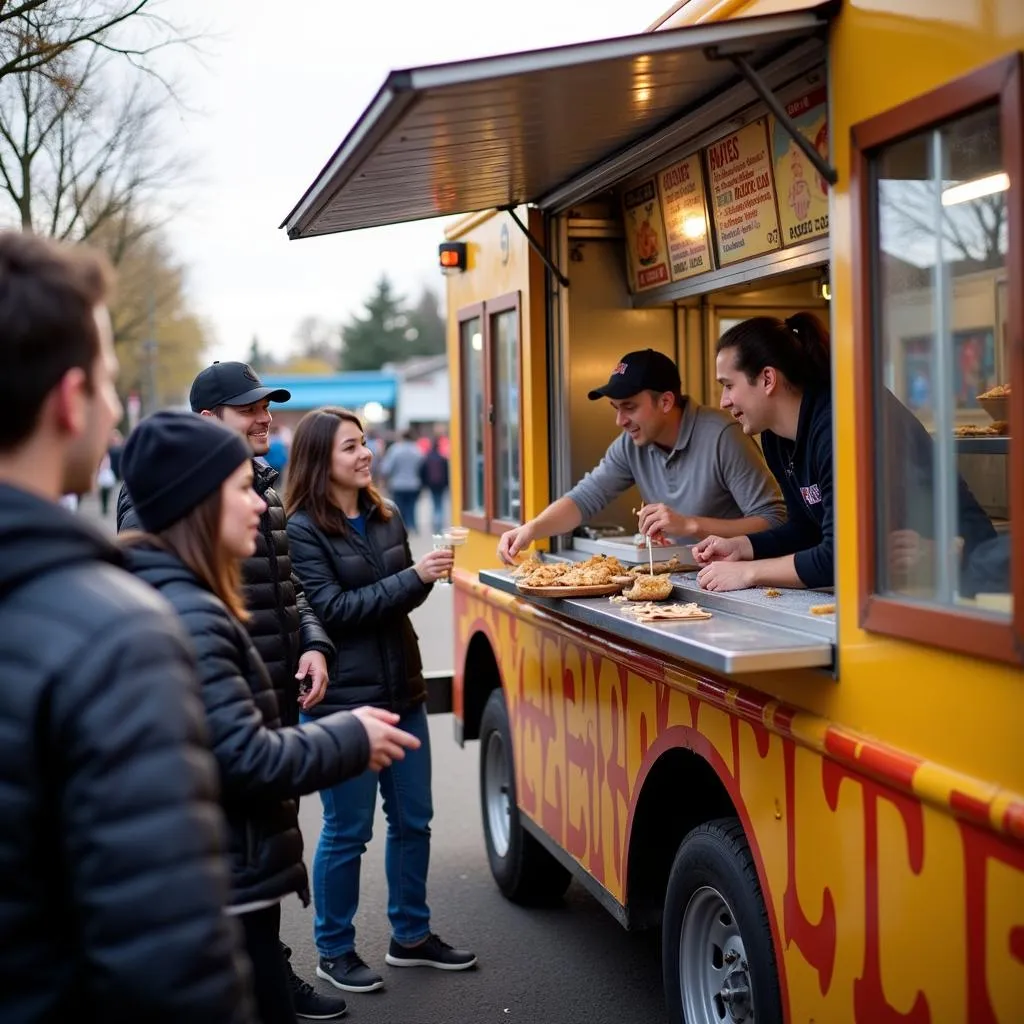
pixel 696 470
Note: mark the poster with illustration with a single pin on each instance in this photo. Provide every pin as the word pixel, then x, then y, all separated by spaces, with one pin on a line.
pixel 803 192
pixel 974 370
pixel 645 236
pixel 686 218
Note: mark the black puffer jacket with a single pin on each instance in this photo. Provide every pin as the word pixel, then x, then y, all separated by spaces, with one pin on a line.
pixel 282 625
pixel 362 590
pixel 262 766
pixel 112 875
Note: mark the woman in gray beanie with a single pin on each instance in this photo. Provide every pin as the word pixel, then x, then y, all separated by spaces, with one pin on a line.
pixel 191 480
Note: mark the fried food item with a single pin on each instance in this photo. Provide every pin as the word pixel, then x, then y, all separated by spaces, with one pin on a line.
pixel 671 565
pixel 597 571
pixel 650 588
pixel 981 430
pixel 772 592
pixel 1000 427
pixel 823 609
pixel 999 391
pixel 525 568
pixel 649 612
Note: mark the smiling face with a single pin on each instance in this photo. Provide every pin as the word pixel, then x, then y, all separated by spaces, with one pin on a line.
pixel 252 422
pixel 240 511
pixel 644 415
pixel 350 458
pixel 746 400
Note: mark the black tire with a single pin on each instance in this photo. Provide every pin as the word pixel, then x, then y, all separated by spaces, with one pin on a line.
pixel 727 930
pixel 525 872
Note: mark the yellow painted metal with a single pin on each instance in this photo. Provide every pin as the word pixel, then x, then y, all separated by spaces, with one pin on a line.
pixel 866 797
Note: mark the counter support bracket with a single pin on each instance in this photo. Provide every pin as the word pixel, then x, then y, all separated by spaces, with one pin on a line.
pixel 758 84
pixel 536 246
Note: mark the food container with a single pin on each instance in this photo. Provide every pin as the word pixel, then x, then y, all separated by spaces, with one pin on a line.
pixel 997 408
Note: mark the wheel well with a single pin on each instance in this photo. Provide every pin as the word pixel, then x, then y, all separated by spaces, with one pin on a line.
pixel 480 678
pixel 681 792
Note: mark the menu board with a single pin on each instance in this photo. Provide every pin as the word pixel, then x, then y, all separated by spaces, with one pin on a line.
pixel 686 220
pixel 743 194
pixel 803 192
pixel 645 236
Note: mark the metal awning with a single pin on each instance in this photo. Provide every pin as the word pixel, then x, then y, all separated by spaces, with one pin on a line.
pixel 499 131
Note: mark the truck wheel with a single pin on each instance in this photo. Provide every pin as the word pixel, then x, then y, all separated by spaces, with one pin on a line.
pixel 718 961
pixel 525 872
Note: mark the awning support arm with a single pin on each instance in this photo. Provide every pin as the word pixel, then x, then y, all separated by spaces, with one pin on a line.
pixel 821 165
pixel 536 246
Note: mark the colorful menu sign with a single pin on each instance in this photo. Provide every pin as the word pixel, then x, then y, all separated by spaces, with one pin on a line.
pixel 686 220
pixel 803 192
pixel 743 194
pixel 645 236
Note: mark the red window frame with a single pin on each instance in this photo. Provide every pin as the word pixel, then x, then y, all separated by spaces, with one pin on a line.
pixel 960 630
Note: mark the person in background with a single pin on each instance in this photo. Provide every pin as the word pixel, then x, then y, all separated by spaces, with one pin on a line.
pixel 277 450
pixel 434 477
pixel 776 382
pixel 285 630
pixel 112 876
pixel 400 469
pixel 352 553
pixel 192 482
pixel 106 481
pixel 695 471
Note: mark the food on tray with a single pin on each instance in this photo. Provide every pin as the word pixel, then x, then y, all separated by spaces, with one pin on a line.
pixel 594 572
pixel 995 429
pixel 823 609
pixel 649 612
pixel 671 565
pixel 772 592
pixel 649 588
pixel 999 391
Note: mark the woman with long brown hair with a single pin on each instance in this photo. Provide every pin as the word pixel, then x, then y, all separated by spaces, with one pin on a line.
pixel 351 551
pixel 191 479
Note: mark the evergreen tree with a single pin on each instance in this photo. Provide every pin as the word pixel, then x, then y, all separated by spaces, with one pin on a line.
pixel 426 321
pixel 377 338
pixel 257 358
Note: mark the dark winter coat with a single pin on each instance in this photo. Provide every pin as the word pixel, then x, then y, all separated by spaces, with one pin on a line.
pixel 362 590
pixel 112 874
pixel 282 625
pixel 262 766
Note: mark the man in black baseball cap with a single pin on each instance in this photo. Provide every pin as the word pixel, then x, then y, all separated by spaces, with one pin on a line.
pixel 284 629
pixel 697 472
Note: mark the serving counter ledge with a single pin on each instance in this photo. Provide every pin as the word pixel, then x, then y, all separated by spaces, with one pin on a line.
pixel 729 642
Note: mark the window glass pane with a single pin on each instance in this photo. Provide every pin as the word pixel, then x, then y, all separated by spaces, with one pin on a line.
pixel 943 447
pixel 505 358
pixel 471 340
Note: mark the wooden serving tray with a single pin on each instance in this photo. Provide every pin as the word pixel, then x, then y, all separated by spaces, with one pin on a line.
pixel 604 590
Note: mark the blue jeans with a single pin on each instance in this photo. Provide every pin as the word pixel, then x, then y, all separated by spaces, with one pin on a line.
pixel 406 502
pixel 348 827
pixel 437 502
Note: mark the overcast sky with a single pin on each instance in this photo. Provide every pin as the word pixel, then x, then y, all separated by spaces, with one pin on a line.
pixel 273 101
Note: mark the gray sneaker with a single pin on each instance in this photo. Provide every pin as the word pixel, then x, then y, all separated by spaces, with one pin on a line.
pixel 349 973
pixel 434 952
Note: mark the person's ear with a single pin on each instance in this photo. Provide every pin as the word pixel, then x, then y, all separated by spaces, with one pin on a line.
pixel 206 412
pixel 70 399
pixel 770 379
pixel 668 400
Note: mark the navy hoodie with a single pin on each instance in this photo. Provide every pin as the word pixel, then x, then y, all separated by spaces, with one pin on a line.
pixel 804 471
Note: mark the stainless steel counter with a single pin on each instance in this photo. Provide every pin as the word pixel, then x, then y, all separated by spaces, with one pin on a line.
pixel 730 641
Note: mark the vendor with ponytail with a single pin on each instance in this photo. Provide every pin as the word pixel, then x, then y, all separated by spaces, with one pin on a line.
pixel 776 382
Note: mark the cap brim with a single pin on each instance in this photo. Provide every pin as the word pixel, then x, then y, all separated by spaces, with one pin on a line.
pixel 611 391
pixel 257 395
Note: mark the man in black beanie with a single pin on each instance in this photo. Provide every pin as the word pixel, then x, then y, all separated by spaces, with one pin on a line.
pixel 284 629
pixel 111 836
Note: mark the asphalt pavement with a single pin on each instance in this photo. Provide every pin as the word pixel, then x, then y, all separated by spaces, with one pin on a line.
pixel 572 964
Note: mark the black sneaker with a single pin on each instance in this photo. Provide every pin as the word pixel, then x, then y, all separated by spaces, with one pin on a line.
pixel 350 973
pixel 310 1004
pixel 434 952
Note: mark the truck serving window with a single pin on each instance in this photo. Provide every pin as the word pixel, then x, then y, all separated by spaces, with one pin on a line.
pixel 490 386
pixel 938 343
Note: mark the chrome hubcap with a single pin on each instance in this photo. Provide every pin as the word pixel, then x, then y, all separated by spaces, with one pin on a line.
pixel 497 777
pixel 713 973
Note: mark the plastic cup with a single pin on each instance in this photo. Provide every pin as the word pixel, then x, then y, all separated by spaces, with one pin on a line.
pixel 449 540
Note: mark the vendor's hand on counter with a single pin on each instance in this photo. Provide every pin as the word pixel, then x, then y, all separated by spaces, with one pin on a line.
pixel 720 576
pixel 723 549
pixel 658 520
pixel 513 542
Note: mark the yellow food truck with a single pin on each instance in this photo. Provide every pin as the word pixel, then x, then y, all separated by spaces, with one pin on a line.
pixel 818 797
